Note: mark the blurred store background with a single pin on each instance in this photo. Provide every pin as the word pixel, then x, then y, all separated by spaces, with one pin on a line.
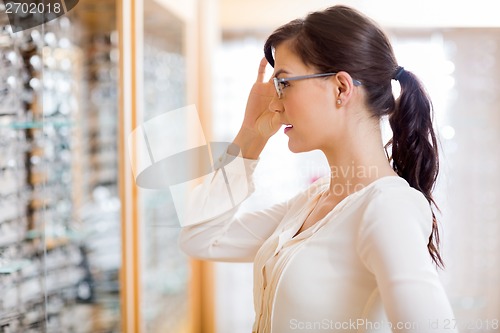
pixel 83 249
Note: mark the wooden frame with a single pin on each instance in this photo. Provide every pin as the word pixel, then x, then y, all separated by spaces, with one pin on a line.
pixel 129 20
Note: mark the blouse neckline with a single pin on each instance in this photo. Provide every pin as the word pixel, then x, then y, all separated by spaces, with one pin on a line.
pixel 337 209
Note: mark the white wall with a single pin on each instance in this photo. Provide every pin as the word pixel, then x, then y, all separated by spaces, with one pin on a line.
pixel 266 14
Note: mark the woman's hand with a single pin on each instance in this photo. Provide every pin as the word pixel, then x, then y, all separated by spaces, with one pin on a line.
pixel 258 117
pixel 259 123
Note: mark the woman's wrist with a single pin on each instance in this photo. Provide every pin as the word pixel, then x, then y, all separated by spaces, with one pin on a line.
pixel 250 143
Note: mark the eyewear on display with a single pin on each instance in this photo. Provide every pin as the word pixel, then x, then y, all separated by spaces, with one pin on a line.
pixel 37 138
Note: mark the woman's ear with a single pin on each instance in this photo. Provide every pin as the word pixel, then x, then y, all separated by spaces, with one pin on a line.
pixel 344 88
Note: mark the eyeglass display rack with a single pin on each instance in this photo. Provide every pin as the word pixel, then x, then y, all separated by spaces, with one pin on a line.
pixel 58 213
pixel 101 209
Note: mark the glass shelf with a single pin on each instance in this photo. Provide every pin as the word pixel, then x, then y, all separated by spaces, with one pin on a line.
pixel 10 267
pixel 20 125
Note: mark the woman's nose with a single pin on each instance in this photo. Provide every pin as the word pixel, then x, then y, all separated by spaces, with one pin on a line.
pixel 275 105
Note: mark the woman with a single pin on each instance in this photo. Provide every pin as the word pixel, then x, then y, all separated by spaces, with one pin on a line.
pixel 358 250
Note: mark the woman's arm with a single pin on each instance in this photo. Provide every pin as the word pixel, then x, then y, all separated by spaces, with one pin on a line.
pixel 393 245
pixel 214 231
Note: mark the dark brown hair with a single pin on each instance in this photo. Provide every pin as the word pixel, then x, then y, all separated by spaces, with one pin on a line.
pixel 342 39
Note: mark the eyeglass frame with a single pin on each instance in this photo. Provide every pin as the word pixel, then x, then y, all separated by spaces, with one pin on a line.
pixel 279 90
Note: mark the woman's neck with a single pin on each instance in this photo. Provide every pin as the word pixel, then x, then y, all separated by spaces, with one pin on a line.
pixel 356 162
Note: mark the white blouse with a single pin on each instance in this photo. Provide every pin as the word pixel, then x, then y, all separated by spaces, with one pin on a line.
pixel 364 267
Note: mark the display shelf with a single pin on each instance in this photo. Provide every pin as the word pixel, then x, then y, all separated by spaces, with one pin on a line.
pixel 9 267
pixel 23 125
pixel 9 321
pixel 42 190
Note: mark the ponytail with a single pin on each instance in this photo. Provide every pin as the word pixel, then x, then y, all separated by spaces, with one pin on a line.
pixel 414 145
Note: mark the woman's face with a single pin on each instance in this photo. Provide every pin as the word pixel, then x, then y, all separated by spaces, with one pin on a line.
pixel 308 105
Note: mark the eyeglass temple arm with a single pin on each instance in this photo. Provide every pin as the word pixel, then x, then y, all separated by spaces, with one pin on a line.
pixel 310 76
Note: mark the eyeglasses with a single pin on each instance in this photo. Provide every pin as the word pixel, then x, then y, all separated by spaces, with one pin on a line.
pixel 279 83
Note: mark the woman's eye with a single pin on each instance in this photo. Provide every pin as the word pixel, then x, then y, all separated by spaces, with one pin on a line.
pixel 284 84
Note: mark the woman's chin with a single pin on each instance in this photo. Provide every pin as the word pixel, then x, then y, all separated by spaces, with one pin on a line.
pixel 295 148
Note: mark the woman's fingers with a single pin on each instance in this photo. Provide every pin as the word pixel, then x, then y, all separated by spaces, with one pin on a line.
pixel 262 70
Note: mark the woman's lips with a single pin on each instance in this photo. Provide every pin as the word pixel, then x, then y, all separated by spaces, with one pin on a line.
pixel 288 127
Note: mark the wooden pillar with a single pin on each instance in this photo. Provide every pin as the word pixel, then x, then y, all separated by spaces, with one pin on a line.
pixel 130 45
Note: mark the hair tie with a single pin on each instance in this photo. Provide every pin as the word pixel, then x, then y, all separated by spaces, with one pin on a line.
pixel 398 73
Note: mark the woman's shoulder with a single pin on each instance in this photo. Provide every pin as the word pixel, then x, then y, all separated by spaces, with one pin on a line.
pixel 390 195
pixel 394 226
pixel 393 198
pixel 391 189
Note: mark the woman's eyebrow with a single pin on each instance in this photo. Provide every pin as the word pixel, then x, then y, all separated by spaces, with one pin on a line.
pixel 280 71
